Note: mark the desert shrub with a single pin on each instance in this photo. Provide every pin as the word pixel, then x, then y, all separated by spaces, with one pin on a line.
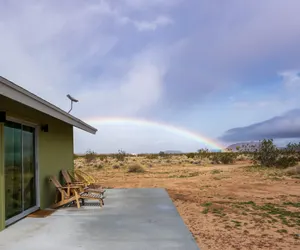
pixel 120 156
pixel 224 158
pixel 116 166
pixel 102 157
pixel 197 162
pixel 99 166
pixel 90 155
pixel 285 161
pixel 150 165
pixel 269 155
pixel 293 149
pixel 203 153
pixel 190 155
pixel 293 170
pixel 135 168
pixel 228 158
pixel 162 154
pixel 205 161
pixel 152 156
pixel 266 154
pixel 241 157
pixel 216 171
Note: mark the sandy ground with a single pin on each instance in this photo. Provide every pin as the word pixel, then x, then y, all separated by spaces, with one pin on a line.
pixel 224 206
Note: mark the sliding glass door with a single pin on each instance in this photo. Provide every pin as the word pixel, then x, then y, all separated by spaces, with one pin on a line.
pixel 20 169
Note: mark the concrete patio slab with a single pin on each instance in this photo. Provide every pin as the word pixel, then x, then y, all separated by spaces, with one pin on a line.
pixel 132 219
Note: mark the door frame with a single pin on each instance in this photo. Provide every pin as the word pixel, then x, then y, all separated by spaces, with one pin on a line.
pixel 37 182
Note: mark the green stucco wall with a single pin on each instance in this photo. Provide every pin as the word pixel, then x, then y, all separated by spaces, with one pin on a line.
pixel 54 150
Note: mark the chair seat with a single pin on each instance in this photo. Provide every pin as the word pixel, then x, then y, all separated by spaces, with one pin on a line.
pixel 91 195
pixel 96 190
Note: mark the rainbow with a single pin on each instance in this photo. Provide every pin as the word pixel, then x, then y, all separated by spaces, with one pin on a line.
pixel 212 144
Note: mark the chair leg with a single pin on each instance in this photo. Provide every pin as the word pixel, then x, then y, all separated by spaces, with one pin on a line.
pixel 77 200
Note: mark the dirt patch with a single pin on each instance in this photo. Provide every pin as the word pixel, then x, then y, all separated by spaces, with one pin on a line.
pixel 224 206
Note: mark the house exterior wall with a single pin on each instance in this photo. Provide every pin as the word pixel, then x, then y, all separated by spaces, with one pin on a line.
pixel 54 150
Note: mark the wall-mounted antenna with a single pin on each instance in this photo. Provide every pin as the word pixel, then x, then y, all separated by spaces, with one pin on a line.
pixel 72 100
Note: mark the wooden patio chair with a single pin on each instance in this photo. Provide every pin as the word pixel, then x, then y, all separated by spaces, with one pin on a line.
pixel 65 194
pixel 84 186
pixel 74 193
pixel 86 178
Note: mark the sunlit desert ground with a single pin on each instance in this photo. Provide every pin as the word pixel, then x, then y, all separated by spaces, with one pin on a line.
pixel 235 206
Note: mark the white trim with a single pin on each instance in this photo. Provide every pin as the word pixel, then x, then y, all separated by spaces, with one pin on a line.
pixel 37 166
pixel 21 121
pixel 15 92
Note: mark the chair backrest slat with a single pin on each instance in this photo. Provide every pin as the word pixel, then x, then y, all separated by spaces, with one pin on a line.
pixel 66 176
pixel 56 183
pixel 86 176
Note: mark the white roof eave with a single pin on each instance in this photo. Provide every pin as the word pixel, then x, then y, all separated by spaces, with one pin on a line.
pixel 21 95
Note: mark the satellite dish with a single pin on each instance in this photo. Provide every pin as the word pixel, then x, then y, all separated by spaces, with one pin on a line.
pixel 72 99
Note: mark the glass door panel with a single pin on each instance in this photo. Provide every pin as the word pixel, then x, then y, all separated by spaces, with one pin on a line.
pixel 20 177
pixel 13 169
pixel 29 167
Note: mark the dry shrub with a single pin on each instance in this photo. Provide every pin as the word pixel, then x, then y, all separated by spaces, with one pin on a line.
pixel 242 157
pixel 98 166
pixel 116 166
pixel 293 170
pixel 90 156
pixel 205 161
pixel 135 168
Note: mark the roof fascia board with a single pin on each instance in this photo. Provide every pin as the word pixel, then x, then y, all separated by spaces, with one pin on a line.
pixel 23 96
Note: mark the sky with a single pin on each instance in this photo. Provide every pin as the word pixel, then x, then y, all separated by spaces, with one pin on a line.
pixel 218 71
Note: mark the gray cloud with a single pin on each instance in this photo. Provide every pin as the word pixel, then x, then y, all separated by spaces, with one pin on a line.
pixel 239 42
pixel 280 127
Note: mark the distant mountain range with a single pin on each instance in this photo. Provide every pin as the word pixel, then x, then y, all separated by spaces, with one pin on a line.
pixel 172 152
pixel 250 146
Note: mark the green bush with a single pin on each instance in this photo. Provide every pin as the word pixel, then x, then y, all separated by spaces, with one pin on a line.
pixel 285 161
pixel 162 154
pixel 151 156
pixel 99 166
pixel 120 156
pixel 90 155
pixel 224 158
pixel 190 155
pixel 203 153
pixel 269 155
pixel 266 154
pixel 135 168
pixel 102 157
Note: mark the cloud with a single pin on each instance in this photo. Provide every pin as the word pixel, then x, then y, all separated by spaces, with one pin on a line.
pixel 246 43
pixel 140 88
pixel 145 4
pixel 158 59
pixel 291 78
pixel 53 53
pixel 280 127
pixel 152 25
